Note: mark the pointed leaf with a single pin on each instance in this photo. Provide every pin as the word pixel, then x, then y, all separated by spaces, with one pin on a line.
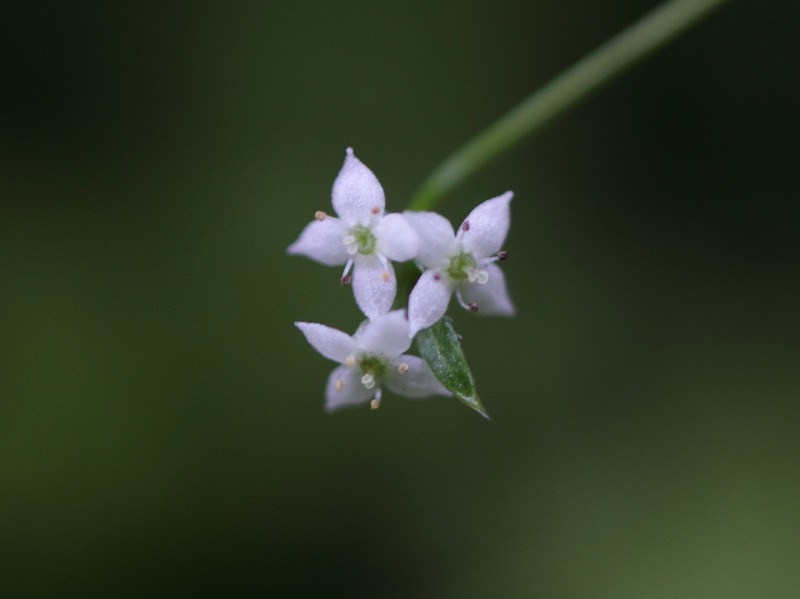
pixel 440 347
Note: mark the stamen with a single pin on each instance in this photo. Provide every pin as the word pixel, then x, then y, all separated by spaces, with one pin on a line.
pixel 461 302
pixel 465 226
pixel 402 368
pixel 483 277
pixel 473 307
pixel 375 210
pixel 376 402
pixel 346 278
pixel 320 215
pixel 339 384
pixel 368 381
pixel 349 361
pixel 502 255
pixel 385 276
pixel 437 276
pixel 473 275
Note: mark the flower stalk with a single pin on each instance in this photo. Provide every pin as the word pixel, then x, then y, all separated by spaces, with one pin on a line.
pixel 577 83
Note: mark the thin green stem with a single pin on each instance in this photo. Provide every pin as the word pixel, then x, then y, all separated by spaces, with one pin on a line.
pixel 578 82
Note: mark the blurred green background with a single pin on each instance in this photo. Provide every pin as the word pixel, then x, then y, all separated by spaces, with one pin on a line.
pixel 161 421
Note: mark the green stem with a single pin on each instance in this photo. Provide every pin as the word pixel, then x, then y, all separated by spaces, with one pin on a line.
pixel 575 84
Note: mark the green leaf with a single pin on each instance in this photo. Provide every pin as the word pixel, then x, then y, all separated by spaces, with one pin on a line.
pixel 440 347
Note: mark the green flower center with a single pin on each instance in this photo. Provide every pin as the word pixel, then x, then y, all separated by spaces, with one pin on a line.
pixel 361 240
pixel 372 365
pixel 460 266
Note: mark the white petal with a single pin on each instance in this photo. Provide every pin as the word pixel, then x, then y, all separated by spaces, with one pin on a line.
pixel 357 195
pixel 374 285
pixel 428 300
pixel 322 241
pixel 417 381
pixel 436 238
pixel 387 334
pixel 396 239
pixel 491 297
pixel 331 343
pixel 486 227
pixel 344 388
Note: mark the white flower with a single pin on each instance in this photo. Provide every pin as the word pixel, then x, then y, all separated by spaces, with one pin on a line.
pixel 463 263
pixel 362 237
pixel 371 358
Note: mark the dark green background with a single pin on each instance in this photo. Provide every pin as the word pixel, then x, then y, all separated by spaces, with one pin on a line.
pixel 161 422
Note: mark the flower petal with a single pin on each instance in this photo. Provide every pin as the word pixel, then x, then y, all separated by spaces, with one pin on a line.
pixel 416 381
pixel 396 239
pixel 486 227
pixel 386 335
pixel 331 343
pixel 428 300
pixel 491 297
pixel 321 240
pixel 344 388
pixel 357 195
pixel 374 285
pixel 436 237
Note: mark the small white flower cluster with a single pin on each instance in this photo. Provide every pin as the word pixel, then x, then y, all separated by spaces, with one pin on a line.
pixel 366 240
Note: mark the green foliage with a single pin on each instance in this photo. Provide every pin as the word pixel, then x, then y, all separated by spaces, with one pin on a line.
pixel 440 347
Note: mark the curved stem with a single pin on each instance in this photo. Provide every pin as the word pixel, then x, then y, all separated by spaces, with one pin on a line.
pixel 575 84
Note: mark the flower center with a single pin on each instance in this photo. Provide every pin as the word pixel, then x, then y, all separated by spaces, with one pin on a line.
pixel 460 266
pixel 373 369
pixel 360 240
pixel 463 266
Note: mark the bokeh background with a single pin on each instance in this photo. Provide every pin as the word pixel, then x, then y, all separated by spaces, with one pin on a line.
pixel 161 421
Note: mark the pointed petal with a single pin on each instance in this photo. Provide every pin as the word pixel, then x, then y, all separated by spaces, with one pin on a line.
pixel 357 192
pixel 428 300
pixel 486 227
pixel 374 285
pixel 417 381
pixel 331 343
pixel 491 297
pixel 344 388
pixel 436 238
pixel 387 334
pixel 396 239
pixel 321 240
